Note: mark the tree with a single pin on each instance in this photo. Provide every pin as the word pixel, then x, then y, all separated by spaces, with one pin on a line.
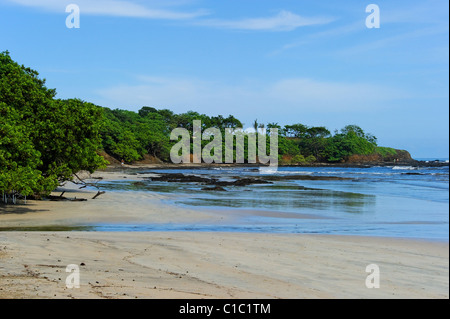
pixel 353 128
pixel 261 126
pixel 317 132
pixel 18 157
pixel 296 130
pixel 69 139
pixel 351 140
pixel 274 125
pixel 44 140
pixel 145 110
pixel 255 125
pixel 231 122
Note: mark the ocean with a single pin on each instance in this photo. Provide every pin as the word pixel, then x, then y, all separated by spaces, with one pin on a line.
pixel 387 201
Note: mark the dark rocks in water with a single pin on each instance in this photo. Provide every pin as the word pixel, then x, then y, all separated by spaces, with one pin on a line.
pixel 181 178
pixel 242 182
pixel 435 163
pixel 238 181
pixel 304 178
pixel 178 177
pixel 139 184
pixel 216 188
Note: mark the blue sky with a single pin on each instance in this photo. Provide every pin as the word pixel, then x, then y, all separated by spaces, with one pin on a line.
pixel 310 62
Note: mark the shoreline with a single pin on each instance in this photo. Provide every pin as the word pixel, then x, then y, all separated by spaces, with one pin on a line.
pixel 138 165
pixel 140 210
pixel 171 265
pixel 199 264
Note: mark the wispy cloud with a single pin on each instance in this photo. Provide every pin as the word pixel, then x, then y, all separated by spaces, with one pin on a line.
pixel 320 36
pixel 116 8
pixel 291 96
pixel 397 40
pixel 283 21
pixel 401 23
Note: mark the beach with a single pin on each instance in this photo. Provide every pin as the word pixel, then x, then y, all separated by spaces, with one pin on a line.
pixel 193 264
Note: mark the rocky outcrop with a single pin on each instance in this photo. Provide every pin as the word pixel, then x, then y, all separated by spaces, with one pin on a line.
pixel 399 157
pixel 214 184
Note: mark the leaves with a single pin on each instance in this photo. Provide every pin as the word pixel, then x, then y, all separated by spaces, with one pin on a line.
pixel 43 140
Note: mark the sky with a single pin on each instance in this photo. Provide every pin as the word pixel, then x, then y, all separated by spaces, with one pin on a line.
pixel 285 61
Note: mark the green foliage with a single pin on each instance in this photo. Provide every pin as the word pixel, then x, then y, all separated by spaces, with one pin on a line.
pixel 43 140
pixel 296 130
pixel 18 158
pixel 385 151
pixel 298 159
pixel 351 140
pixel 287 146
pixel 128 135
pixel 310 159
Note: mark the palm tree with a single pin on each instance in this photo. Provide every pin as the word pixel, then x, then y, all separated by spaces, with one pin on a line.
pixel 261 126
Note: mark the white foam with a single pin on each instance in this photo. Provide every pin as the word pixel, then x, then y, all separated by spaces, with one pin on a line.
pixel 268 170
pixel 404 167
pixel 297 173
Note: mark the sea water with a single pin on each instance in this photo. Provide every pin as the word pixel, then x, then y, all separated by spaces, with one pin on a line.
pixel 389 201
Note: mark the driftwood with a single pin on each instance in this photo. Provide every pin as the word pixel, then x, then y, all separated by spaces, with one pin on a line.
pixel 62 198
pixel 85 184
pixel 98 194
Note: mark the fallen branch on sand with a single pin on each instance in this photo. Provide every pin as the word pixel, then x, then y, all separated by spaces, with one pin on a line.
pixel 84 183
pixel 98 194
pixel 61 198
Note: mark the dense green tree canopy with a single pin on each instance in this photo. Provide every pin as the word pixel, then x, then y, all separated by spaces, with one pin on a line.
pixel 43 140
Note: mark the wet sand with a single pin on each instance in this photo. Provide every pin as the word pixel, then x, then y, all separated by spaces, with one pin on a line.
pixel 198 264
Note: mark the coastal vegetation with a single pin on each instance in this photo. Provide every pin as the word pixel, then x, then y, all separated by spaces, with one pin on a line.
pixel 133 135
pixel 44 140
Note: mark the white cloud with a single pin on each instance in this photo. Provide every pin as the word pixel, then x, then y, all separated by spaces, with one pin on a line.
pixel 283 21
pixel 286 97
pixel 117 8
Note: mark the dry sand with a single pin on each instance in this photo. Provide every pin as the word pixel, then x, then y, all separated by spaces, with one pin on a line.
pixel 199 264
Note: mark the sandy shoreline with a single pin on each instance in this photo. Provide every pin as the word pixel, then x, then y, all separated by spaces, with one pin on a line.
pixel 218 265
pixel 199 264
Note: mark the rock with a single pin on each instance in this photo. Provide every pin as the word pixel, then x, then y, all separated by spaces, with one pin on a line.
pixel 304 178
pixel 217 188
pixel 242 182
pixel 139 184
pixel 178 177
